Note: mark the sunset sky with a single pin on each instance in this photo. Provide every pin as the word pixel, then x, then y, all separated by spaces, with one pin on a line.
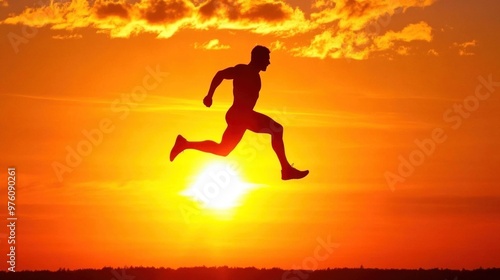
pixel 393 106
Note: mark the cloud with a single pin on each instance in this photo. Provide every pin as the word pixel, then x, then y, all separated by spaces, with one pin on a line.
pixel 341 29
pixel 355 44
pixel 105 10
pixel 258 16
pixel 354 28
pixel 65 37
pixel 420 31
pixel 326 44
pixel 213 44
pixel 464 49
pixel 4 3
pixel 322 4
pixel 277 45
pixel 433 52
pixel 403 50
pixel 234 10
pixel 60 15
pixel 165 17
pixel 165 11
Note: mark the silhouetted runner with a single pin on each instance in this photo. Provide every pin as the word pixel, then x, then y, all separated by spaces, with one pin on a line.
pixel 241 116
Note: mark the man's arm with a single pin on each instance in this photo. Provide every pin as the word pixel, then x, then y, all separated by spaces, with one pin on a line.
pixel 228 74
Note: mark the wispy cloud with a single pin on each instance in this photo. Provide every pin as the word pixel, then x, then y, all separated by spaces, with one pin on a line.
pixel 420 31
pixel 156 103
pixel 66 37
pixel 465 48
pixel 433 52
pixel 56 98
pixel 213 44
pixel 277 45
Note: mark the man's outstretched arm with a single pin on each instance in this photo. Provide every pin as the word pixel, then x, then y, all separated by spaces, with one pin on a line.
pixel 227 74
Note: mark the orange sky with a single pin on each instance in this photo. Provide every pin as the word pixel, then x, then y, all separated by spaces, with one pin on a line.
pixel 356 84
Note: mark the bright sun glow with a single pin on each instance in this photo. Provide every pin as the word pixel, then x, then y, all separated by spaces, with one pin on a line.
pixel 218 186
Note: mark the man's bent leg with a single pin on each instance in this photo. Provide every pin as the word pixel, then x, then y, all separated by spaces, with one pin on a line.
pixel 230 139
pixel 261 123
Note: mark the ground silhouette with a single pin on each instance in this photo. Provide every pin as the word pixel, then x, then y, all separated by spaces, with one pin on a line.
pixel 241 116
pixel 251 273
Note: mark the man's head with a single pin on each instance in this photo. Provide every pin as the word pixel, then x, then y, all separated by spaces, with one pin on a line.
pixel 261 57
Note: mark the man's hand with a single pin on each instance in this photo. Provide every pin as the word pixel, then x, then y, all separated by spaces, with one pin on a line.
pixel 207 101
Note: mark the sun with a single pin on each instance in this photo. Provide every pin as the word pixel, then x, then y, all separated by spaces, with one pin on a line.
pixel 218 186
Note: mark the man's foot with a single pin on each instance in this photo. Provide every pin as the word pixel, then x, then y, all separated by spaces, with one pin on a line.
pixel 179 146
pixel 292 173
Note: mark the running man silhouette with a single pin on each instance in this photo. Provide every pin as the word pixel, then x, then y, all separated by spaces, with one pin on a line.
pixel 241 116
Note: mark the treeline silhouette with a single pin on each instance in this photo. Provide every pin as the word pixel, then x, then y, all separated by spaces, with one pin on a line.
pixel 251 273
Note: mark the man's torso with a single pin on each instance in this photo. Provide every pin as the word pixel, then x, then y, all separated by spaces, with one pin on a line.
pixel 246 87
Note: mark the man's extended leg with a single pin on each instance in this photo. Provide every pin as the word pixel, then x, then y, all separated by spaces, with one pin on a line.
pixel 230 139
pixel 261 123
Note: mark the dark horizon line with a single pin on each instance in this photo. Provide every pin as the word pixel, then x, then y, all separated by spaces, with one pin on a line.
pixel 256 268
